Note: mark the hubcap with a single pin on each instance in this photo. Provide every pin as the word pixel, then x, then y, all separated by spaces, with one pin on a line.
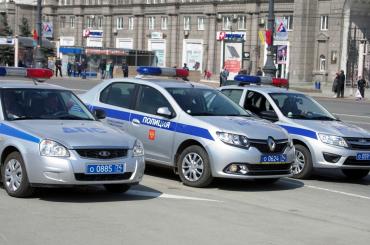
pixel 192 167
pixel 299 162
pixel 13 175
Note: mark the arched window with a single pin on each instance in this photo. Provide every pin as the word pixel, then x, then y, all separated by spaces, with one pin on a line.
pixel 322 63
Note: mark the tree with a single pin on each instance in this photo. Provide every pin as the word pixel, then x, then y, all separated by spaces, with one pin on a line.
pixel 6 51
pixel 24 28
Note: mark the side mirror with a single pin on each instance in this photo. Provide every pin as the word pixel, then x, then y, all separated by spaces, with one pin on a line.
pixel 269 115
pixel 100 114
pixel 165 112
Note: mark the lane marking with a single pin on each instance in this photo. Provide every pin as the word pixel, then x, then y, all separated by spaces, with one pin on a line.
pixel 330 190
pixel 350 115
pixel 167 196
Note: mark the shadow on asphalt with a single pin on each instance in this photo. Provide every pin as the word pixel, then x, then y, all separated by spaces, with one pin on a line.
pixel 335 175
pixel 91 194
pixel 228 184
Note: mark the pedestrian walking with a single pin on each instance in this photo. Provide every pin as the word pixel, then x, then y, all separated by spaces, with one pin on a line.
pixel 185 67
pixel 361 85
pixel 125 69
pixel 79 68
pixel 58 67
pixel 223 76
pixel 335 84
pixel 102 66
pixel 259 72
pixel 69 68
pixel 111 69
pixel 341 82
pixel 107 71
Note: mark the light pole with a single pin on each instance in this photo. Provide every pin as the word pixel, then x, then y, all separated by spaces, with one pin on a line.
pixel 39 55
pixel 269 68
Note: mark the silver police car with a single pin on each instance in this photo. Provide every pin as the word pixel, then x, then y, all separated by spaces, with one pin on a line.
pixel 49 138
pixel 320 139
pixel 194 129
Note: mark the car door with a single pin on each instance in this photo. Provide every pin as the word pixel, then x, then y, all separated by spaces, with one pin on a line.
pixel 117 100
pixel 156 132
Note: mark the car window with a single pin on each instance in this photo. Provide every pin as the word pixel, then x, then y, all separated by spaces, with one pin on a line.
pixel 257 102
pixel 150 100
pixel 118 94
pixel 21 104
pixel 233 94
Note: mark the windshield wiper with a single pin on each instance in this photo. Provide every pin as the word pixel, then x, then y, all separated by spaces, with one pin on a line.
pixel 324 118
pixel 72 117
pixel 236 115
pixel 23 118
pixel 203 114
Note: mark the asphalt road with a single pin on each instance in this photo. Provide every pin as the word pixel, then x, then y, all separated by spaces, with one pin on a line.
pixel 326 209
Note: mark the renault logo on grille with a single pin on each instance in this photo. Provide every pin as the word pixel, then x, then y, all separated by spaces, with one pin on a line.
pixel 104 153
pixel 271 144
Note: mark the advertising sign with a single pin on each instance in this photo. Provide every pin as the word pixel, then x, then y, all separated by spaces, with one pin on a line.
pixel 222 35
pixel 92 33
pixel 193 55
pixel 94 42
pixel 159 48
pixel 6 41
pixel 67 41
pixel 47 29
pixel 233 57
pixel 282 54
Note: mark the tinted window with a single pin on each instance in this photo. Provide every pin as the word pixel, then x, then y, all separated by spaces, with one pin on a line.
pixel 233 94
pixel 118 94
pixel 21 104
pixel 150 100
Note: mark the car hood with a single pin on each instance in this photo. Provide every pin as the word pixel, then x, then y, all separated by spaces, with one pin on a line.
pixel 251 127
pixel 337 128
pixel 77 134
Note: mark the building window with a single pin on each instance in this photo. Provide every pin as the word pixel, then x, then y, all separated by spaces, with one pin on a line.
pixel 62 22
pixel 151 23
pixel 90 22
pixel 187 23
pixel 201 23
pixel 324 22
pixel 119 23
pixel 322 64
pixel 72 22
pixel 164 21
pixel 289 22
pixel 242 22
pixel 147 1
pixel 226 23
pixel 100 22
pixel 131 23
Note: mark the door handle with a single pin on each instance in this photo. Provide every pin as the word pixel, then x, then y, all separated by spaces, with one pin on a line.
pixel 135 122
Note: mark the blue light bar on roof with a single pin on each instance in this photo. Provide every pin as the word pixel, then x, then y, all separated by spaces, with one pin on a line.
pixel 162 71
pixel 35 73
pixel 247 79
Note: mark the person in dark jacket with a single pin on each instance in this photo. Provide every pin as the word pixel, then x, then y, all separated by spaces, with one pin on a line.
pixel 361 84
pixel 58 67
pixel 259 72
pixel 125 69
pixel 335 84
pixel 102 66
pixel 340 87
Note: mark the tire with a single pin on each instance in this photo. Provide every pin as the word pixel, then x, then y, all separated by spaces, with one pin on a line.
pixel 266 181
pixel 14 176
pixel 117 188
pixel 194 168
pixel 355 174
pixel 302 167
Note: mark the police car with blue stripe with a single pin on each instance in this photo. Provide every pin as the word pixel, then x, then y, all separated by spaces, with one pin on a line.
pixel 48 137
pixel 193 128
pixel 320 139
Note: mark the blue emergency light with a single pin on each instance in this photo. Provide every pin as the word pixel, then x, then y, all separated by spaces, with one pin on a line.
pixel 162 71
pixel 247 79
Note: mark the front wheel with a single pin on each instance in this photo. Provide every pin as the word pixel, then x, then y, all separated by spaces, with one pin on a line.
pixel 14 176
pixel 194 168
pixel 302 166
pixel 355 174
pixel 117 188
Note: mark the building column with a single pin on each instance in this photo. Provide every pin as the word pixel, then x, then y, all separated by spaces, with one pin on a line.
pixel 254 50
pixel 174 42
pixel 79 29
pixel 211 64
pixel 140 32
pixel 108 31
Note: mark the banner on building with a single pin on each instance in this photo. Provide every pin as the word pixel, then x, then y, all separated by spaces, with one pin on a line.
pixel 193 54
pixel 282 54
pixel 281 32
pixel 47 29
pixel 233 57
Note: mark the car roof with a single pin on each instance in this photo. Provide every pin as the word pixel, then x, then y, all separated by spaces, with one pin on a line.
pixel 27 84
pixel 262 88
pixel 161 81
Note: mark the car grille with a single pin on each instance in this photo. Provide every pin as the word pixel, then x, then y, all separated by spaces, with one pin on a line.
pixel 263 147
pixel 351 161
pixel 102 153
pixel 358 143
pixel 102 177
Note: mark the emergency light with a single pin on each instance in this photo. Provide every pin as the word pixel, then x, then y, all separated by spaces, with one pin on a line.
pixel 162 71
pixel 33 73
pixel 247 79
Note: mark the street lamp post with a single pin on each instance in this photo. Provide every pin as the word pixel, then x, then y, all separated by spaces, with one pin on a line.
pixel 269 68
pixel 39 55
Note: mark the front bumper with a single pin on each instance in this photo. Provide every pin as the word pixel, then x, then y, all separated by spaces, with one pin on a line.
pixel 71 170
pixel 222 155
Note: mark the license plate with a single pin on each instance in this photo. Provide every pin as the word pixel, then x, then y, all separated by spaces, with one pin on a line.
pixel 363 156
pixel 105 168
pixel 274 159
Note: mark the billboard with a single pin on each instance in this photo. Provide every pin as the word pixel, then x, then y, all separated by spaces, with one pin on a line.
pixel 233 55
pixel 282 54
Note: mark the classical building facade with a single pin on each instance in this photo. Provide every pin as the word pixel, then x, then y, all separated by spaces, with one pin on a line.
pixel 323 36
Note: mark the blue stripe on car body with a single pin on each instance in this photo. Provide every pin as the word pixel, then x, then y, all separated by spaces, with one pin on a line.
pixel 13 132
pixel 300 131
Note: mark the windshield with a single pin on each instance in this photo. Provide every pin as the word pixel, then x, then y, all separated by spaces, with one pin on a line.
pixel 22 104
pixel 205 102
pixel 300 106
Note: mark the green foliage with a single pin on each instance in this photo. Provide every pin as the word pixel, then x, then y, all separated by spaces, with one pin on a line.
pixel 7 52
pixel 24 28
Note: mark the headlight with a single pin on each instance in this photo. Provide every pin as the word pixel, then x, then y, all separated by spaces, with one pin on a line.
pixel 333 140
pixel 138 149
pixel 233 139
pixel 51 148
